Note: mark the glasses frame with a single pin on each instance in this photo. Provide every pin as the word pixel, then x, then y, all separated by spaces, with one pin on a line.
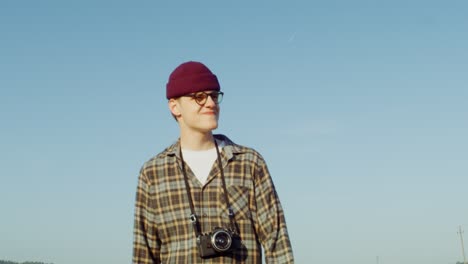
pixel 202 102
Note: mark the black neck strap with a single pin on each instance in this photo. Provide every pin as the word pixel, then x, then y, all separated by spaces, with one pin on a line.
pixel 193 216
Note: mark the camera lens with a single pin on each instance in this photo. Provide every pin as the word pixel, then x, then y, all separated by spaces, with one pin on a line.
pixel 221 240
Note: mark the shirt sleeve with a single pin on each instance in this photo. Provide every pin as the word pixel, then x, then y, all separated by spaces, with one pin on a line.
pixel 270 222
pixel 146 245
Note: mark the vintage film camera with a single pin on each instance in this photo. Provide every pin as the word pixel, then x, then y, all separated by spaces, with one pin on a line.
pixel 220 241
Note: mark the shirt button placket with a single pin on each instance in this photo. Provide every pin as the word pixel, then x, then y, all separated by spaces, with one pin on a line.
pixel 203 211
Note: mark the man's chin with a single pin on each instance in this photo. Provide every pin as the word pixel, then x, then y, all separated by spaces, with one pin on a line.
pixel 211 127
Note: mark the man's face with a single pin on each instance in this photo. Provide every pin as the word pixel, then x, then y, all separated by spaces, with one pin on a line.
pixel 198 112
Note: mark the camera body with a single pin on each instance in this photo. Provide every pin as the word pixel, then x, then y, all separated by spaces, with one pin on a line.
pixel 219 242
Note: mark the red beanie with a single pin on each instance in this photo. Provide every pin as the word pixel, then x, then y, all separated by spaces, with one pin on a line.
pixel 191 77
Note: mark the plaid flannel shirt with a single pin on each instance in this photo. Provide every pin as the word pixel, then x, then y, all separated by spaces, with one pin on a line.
pixel 163 232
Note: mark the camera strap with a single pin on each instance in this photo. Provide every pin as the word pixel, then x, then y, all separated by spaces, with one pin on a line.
pixel 226 198
pixel 193 216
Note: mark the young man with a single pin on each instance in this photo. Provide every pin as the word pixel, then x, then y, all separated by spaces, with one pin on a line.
pixel 206 199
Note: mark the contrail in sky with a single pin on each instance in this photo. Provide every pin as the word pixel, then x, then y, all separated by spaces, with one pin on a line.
pixel 292 37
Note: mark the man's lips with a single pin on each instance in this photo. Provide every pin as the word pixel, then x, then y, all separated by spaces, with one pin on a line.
pixel 209 113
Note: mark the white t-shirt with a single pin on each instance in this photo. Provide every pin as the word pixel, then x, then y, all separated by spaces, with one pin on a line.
pixel 201 161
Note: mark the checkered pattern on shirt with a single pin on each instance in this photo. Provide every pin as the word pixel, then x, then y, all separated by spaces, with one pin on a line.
pixel 163 232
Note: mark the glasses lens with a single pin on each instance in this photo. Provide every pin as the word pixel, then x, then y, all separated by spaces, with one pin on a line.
pixel 217 97
pixel 200 97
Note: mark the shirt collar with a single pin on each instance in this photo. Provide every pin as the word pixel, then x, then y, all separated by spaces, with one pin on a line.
pixel 230 148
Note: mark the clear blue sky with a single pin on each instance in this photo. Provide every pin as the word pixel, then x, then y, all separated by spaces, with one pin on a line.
pixel 359 107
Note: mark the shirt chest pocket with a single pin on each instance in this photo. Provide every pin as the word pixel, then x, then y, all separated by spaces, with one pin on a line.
pixel 239 197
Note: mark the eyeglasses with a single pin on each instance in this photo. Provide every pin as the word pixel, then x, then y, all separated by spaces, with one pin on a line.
pixel 201 97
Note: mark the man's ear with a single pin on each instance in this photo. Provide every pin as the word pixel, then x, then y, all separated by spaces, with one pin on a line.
pixel 174 107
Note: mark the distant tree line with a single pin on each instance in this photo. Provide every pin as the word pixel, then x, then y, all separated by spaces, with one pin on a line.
pixel 27 262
